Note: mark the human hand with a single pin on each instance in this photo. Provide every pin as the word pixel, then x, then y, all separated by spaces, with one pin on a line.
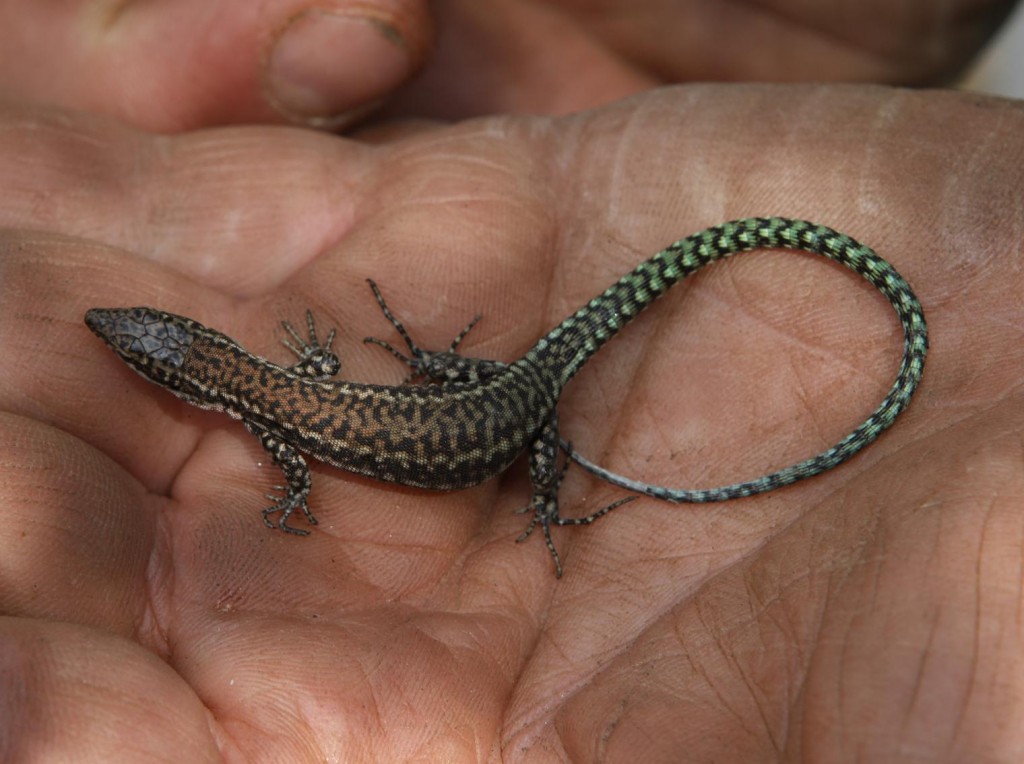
pixel 873 609
pixel 176 65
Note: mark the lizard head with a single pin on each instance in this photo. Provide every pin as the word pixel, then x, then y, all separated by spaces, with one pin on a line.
pixel 152 342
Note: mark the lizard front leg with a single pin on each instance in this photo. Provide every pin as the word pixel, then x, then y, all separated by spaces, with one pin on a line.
pixel 315 361
pixel 296 475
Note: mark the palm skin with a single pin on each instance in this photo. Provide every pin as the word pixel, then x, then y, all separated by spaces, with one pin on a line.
pixel 871 611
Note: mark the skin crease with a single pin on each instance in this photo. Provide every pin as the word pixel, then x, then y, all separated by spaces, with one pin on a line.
pixel 873 612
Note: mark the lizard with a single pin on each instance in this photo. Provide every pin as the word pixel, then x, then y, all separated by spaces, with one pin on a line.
pixel 479 415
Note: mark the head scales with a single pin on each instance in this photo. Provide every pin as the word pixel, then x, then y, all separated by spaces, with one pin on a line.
pixel 152 342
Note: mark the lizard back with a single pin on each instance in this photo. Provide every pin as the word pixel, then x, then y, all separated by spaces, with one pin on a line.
pixel 441 437
pixel 459 433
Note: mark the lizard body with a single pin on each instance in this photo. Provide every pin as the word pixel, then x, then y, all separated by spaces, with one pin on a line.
pixel 483 414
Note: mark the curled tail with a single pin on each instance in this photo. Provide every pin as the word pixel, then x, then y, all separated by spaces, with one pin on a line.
pixel 568 346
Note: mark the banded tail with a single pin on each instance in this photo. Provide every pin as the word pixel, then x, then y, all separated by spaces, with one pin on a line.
pixel 562 353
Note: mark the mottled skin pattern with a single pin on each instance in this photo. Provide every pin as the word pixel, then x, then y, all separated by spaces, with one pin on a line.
pixel 483 414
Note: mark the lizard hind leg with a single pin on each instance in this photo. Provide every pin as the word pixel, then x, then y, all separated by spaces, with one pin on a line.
pixel 434 365
pixel 416 359
pixel 546 477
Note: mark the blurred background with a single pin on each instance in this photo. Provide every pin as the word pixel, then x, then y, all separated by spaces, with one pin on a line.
pixel 1000 69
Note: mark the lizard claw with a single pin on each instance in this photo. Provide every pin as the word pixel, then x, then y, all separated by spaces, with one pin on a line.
pixel 287 505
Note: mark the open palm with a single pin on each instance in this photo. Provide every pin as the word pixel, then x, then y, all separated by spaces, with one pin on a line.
pixel 873 609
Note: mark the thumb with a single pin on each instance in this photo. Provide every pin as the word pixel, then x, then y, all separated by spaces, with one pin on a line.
pixel 171 65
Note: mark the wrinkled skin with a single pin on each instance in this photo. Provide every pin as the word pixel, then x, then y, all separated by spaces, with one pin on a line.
pixel 868 612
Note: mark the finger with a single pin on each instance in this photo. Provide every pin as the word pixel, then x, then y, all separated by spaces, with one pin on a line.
pixel 562 56
pixel 519 57
pixel 64 500
pixel 71 693
pixel 173 65
pixel 240 209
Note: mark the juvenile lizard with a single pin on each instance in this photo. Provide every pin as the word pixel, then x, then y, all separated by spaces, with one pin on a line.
pixel 483 414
